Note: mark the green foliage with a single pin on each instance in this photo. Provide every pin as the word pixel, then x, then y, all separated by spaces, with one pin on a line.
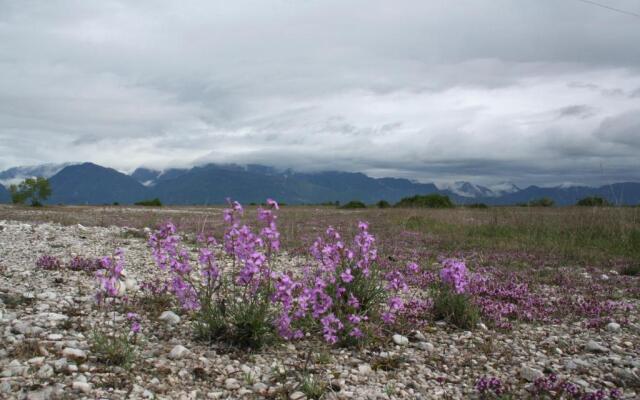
pixel 354 204
pixel 383 204
pixel 631 270
pixel 113 349
pixel 455 308
pixel 35 189
pixel 246 323
pixel 150 203
pixel 312 387
pixel 542 202
pixel 478 205
pixel 429 201
pixel 593 201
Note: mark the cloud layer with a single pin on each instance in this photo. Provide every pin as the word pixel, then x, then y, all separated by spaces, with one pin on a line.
pixel 533 92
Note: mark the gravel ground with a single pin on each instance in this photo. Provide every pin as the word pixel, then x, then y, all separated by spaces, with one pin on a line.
pixel 46 319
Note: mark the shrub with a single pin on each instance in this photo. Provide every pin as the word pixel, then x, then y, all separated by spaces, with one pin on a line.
pixel 113 343
pixel 631 270
pixel 542 202
pixel 150 203
pixel 429 201
pixel 353 204
pixel 35 189
pixel 478 205
pixel 383 204
pixel 455 308
pixel 230 304
pixel 593 201
pixel 79 263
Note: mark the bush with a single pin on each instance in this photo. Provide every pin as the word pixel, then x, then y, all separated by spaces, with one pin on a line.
pixel 631 270
pixel 455 308
pixel 429 201
pixel 383 204
pixel 593 201
pixel 113 349
pixel 353 204
pixel 542 202
pixel 150 203
pixel 35 189
pixel 231 304
pixel 478 205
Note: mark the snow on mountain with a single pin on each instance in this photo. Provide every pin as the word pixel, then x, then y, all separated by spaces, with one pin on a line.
pixel 18 174
pixel 502 188
pixel 467 189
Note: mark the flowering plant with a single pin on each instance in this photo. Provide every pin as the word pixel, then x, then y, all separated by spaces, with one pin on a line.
pixel 231 302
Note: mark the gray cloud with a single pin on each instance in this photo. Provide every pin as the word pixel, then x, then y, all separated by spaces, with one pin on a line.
pixel 535 92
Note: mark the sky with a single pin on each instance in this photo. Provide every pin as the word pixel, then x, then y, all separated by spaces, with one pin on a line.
pixel 527 91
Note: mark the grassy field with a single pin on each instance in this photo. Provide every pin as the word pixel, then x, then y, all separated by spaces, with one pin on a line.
pixel 598 236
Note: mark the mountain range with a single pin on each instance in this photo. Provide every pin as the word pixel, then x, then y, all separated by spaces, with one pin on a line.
pixel 89 183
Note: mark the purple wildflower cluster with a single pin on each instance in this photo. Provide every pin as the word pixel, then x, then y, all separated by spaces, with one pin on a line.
pixel 342 289
pixel 489 387
pixel 551 386
pixel 77 263
pixel 110 283
pixel 48 262
pixel 454 274
pixel 249 252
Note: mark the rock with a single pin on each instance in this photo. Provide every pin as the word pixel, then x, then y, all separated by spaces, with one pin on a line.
pixel 426 346
pixel 259 387
pixel 577 363
pixel 83 387
pixel 45 372
pixel 530 374
pixel 231 384
pixel 420 336
pixel 627 376
pixel 364 369
pixel 60 364
pixel 297 396
pixel 74 354
pixel 178 352
pixel 613 327
pixel 595 347
pixel 400 340
pixel 169 317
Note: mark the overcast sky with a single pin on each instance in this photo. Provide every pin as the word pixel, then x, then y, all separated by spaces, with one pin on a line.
pixel 531 91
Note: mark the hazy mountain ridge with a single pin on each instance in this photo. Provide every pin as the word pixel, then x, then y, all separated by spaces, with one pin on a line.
pixel 17 174
pixel 211 184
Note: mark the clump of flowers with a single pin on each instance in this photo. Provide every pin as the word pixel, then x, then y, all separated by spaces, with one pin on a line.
pixel 48 262
pixel 114 344
pixel 550 385
pixel 489 387
pixel 454 274
pixel 340 293
pixel 79 263
pixel 230 303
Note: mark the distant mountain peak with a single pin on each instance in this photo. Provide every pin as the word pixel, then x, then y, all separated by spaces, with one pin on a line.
pixel 18 174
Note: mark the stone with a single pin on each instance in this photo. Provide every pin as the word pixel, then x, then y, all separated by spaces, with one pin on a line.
pixel 400 340
pixel 178 352
pixel 530 374
pixel 169 317
pixel 364 369
pixel 613 327
pixel 83 387
pixel 71 353
pixel 45 372
pixel 231 384
pixel 595 347
pixel 426 346
pixel 297 396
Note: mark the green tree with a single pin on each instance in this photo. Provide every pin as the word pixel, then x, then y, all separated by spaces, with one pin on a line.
pixel 36 190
